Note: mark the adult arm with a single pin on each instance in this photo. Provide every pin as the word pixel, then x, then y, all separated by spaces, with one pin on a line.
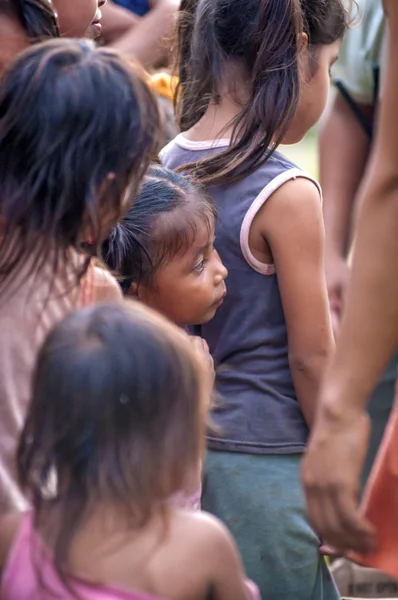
pixel 149 38
pixel 367 340
pixel 116 21
pixel 343 152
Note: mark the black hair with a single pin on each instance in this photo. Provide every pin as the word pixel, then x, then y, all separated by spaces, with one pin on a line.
pixel 264 38
pixel 78 126
pixel 117 416
pixel 161 223
pixel 37 17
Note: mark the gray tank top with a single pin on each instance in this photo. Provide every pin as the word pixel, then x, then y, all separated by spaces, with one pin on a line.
pixel 259 411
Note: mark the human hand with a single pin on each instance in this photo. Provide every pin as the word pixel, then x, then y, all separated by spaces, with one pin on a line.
pixel 330 472
pixel 203 353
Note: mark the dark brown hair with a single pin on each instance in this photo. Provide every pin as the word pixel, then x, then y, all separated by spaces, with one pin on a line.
pixel 161 224
pixel 263 37
pixel 117 416
pixel 77 127
pixel 37 17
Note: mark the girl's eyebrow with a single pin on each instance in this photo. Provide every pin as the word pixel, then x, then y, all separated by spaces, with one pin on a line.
pixel 201 250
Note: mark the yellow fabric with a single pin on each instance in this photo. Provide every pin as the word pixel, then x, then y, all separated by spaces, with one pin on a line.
pixel 163 84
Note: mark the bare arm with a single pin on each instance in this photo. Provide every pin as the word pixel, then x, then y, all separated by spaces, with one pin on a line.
pixel 368 339
pixel 150 37
pixel 224 566
pixel 116 21
pixel 293 227
pixel 371 319
pixel 344 148
pixel 343 152
pixel 106 288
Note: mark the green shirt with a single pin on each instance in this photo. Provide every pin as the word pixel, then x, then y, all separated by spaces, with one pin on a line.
pixel 362 50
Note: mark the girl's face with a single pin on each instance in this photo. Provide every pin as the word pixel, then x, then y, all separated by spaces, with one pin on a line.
pixel 77 18
pixel 13 40
pixel 189 289
pixel 314 90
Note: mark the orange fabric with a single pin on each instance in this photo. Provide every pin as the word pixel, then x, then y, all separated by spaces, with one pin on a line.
pixel 163 84
pixel 380 502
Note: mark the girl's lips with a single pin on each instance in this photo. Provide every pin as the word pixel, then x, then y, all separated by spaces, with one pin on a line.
pixel 221 300
pixel 97 28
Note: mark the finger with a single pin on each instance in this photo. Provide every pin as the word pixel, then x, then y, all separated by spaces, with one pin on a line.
pixel 327 550
pixel 359 534
pixel 326 519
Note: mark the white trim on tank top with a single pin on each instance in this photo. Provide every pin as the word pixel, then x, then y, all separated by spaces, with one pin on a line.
pixel 258 202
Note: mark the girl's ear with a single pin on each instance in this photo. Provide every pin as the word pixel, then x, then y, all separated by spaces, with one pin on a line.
pixel 133 291
pixel 303 41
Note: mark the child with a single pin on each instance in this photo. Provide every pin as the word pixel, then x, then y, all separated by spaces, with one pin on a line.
pixel 254 73
pixel 115 425
pixel 163 254
pixel 24 22
pixel 163 250
pixel 77 127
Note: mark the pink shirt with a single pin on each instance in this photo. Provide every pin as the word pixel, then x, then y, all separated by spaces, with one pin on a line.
pixel 28 555
pixel 27 313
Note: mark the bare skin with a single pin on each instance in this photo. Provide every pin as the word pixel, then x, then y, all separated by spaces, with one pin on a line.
pixel 344 149
pixel 197 555
pixel 147 39
pixel 299 263
pixel 367 340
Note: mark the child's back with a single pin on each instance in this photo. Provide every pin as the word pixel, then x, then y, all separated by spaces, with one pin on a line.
pixel 139 563
pixel 115 426
pixel 248 334
pixel 250 77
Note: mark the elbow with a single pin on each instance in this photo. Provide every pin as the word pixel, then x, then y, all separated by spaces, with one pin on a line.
pixel 310 365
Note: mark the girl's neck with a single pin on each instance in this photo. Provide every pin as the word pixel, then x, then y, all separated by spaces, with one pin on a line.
pixel 218 120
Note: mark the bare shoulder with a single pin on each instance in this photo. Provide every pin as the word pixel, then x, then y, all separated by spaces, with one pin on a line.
pixel 106 288
pixel 295 204
pixel 9 526
pixel 207 535
pixel 297 194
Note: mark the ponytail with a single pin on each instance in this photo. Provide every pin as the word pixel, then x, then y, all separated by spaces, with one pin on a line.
pixel 264 38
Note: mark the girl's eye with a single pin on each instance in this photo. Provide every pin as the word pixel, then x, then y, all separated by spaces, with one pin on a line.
pixel 201 265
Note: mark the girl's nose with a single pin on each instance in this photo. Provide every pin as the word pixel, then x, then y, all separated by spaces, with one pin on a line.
pixel 222 272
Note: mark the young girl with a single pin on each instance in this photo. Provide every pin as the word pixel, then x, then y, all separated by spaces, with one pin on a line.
pixel 77 128
pixel 163 250
pixel 254 73
pixel 23 22
pixel 116 423
pixel 163 253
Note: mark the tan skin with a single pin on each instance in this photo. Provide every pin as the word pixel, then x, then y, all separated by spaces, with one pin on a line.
pixel 194 554
pixel 189 289
pixel 76 18
pixel 299 263
pixel 367 340
pixel 148 39
pixel 344 148
pixel 197 553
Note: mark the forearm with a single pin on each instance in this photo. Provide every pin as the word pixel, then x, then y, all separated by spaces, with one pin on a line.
pixel 116 21
pixel 344 148
pixel 307 374
pixel 149 39
pixel 369 333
